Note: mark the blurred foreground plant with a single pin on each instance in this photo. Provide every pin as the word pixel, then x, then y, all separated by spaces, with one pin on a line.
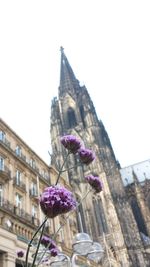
pixel 56 200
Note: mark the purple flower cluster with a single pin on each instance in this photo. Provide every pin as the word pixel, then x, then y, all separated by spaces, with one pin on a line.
pixel 86 155
pixel 71 142
pixel 95 182
pixel 74 145
pixel 20 253
pixel 47 241
pixel 56 200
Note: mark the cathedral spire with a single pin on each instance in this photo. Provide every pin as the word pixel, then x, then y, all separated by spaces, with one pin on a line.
pixel 135 178
pixel 67 76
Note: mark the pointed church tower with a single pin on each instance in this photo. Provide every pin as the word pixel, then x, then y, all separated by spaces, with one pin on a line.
pixel 108 217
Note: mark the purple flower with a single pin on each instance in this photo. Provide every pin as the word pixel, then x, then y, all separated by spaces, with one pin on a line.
pixel 54 252
pixel 20 253
pixel 95 182
pixel 86 155
pixel 45 240
pixel 48 242
pixel 56 200
pixel 71 142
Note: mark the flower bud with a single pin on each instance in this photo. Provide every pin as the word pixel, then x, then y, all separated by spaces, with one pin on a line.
pixel 95 182
pixel 71 142
pixel 86 155
pixel 20 253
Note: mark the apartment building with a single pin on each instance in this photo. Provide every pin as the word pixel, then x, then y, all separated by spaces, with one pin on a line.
pixel 23 176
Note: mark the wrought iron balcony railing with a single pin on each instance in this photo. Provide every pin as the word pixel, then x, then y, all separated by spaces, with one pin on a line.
pixel 33 193
pixel 10 208
pixel 5 173
pixel 5 142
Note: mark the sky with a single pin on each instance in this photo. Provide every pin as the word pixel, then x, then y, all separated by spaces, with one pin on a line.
pixel 108 46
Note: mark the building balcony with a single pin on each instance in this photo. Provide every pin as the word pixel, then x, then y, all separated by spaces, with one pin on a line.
pixel 5 173
pixel 35 221
pixel 33 193
pixel 19 184
pixel 11 209
pixel 5 142
pixel 5 205
pixel 26 216
pixel 23 157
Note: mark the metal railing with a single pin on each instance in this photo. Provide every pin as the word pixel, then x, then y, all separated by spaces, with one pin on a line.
pixel 5 142
pixel 33 193
pixel 7 206
pixel 4 170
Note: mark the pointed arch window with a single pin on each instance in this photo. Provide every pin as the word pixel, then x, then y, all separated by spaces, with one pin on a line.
pixel 82 113
pixel 138 216
pixel 71 118
pixel 100 217
pixel 148 201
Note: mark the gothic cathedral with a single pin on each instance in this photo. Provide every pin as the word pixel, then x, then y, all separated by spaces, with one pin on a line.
pixel 108 217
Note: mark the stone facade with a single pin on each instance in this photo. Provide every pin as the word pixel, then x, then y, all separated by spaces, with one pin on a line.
pixel 23 176
pixel 107 217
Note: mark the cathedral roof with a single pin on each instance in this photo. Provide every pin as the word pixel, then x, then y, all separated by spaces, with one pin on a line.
pixel 140 171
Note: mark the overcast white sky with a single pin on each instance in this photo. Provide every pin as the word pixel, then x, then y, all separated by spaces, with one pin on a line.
pixel 108 46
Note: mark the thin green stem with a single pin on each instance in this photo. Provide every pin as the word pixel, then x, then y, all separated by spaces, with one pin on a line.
pixel 37 249
pixel 30 243
pixel 60 171
pixel 73 167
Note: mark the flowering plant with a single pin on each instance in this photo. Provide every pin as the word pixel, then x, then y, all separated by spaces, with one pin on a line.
pixel 56 199
pixel 48 243
pixel 71 142
pixel 86 155
pixel 95 183
pixel 20 253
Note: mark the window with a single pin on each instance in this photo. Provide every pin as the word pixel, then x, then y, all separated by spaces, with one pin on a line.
pixel 33 189
pixel 32 163
pixel 2 136
pixel 1 194
pixel 138 216
pixel 100 216
pixel 18 151
pixel 1 163
pixel 18 177
pixel 18 201
pixel 34 211
pixel 71 118
pixel 82 115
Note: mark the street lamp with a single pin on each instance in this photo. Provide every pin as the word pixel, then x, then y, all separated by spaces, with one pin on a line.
pixel 82 246
pixel 61 260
